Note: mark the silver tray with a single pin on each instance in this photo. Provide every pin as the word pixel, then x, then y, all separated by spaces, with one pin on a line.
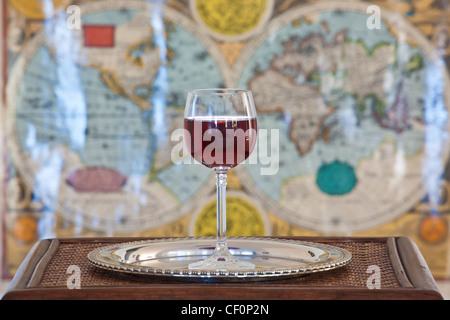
pixel 273 258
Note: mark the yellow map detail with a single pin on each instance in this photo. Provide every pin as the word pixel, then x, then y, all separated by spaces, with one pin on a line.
pixel 38 9
pixel 243 219
pixel 231 17
pixel 231 50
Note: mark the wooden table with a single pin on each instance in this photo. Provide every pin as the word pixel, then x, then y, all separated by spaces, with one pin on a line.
pixel 404 274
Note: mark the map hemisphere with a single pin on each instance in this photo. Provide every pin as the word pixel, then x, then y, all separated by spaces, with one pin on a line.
pixel 350 104
pixel 102 115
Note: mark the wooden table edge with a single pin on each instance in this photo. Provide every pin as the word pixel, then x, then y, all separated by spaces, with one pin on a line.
pixel 415 266
pixel 191 292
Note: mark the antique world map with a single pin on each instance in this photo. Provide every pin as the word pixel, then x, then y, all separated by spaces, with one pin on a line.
pixel 361 114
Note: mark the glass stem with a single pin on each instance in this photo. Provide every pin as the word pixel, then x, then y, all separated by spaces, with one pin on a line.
pixel 221 183
pixel 221 259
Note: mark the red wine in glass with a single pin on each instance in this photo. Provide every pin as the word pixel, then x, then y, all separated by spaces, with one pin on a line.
pixel 220 141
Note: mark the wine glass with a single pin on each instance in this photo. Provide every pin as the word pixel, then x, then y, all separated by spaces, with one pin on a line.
pixel 220 132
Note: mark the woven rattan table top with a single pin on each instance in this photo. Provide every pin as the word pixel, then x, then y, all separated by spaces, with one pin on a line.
pixel 355 274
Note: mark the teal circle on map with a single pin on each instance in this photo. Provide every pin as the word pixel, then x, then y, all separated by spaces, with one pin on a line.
pixel 336 178
pixel 92 110
pixel 361 115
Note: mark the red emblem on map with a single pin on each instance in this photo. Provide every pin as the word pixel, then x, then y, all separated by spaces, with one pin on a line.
pixel 98 35
pixel 96 179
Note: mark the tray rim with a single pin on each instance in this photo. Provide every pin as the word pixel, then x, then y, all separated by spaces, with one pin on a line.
pixel 262 274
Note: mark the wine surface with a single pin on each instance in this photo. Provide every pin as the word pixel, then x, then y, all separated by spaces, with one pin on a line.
pixel 220 142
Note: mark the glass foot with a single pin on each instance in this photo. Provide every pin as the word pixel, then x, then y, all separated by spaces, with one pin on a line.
pixel 222 261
